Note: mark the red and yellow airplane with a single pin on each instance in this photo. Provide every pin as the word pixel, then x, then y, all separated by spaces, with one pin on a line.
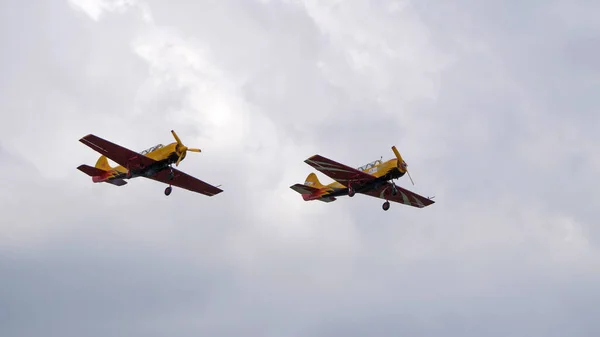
pixel 374 179
pixel 154 163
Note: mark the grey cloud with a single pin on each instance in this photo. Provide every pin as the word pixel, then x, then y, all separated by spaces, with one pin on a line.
pixel 95 286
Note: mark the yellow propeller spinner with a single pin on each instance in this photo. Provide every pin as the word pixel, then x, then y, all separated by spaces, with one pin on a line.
pixel 402 166
pixel 181 149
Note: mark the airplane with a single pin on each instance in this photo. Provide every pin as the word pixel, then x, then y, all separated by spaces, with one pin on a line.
pixel 155 163
pixel 374 179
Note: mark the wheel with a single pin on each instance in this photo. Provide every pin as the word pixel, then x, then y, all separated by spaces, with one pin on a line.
pixel 386 205
pixel 168 190
pixel 351 192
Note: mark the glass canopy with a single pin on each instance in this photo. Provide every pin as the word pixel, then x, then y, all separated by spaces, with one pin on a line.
pixel 370 165
pixel 154 148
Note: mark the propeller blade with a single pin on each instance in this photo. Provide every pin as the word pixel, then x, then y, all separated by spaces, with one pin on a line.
pixel 181 149
pixel 411 180
pixel 401 163
pixel 176 138
pixel 397 153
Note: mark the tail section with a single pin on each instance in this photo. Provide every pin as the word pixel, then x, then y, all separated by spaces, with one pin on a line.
pixel 102 164
pixel 312 189
pixel 103 173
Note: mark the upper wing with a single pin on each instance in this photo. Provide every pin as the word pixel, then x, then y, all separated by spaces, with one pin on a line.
pixel 403 196
pixel 118 154
pixel 187 182
pixel 339 172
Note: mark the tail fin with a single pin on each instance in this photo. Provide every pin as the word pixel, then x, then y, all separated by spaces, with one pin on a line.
pixel 313 181
pixel 102 164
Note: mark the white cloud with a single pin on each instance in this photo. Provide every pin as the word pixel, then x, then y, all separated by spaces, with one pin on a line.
pixel 96 8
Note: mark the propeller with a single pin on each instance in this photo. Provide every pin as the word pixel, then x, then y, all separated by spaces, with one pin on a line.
pixel 402 166
pixel 181 149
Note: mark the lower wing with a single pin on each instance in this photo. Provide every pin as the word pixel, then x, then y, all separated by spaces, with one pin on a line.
pixel 187 182
pixel 403 196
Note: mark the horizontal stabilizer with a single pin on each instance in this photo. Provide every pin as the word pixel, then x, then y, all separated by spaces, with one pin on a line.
pixel 91 171
pixel 116 182
pixel 303 189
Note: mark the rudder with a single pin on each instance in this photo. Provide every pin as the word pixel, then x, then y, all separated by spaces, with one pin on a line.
pixel 102 164
pixel 313 181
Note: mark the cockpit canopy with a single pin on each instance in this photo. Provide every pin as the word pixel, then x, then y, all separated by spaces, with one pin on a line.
pixel 370 165
pixel 154 148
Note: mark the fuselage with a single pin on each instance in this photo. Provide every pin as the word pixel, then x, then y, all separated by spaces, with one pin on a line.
pixel 382 171
pixel 163 155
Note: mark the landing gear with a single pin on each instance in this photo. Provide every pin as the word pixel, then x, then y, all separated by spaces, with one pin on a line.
pixel 171 173
pixel 386 206
pixel 394 189
pixel 351 191
pixel 168 190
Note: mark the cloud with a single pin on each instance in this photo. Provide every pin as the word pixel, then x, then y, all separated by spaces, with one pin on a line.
pixel 476 105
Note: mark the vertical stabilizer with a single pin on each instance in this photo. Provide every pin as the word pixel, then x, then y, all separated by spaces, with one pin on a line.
pixel 102 164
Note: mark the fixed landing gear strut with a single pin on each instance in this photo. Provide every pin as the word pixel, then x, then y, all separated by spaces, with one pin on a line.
pixel 386 204
pixel 169 189
pixel 171 173
pixel 394 189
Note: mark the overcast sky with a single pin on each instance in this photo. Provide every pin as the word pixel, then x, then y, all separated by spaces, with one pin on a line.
pixel 493 104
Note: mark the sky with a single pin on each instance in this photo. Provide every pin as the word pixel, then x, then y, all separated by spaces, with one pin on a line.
pixel 492 104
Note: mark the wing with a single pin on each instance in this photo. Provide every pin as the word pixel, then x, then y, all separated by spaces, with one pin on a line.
pixel 404 196
pixel 187 182
pixel 339 172
pixel 118 154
